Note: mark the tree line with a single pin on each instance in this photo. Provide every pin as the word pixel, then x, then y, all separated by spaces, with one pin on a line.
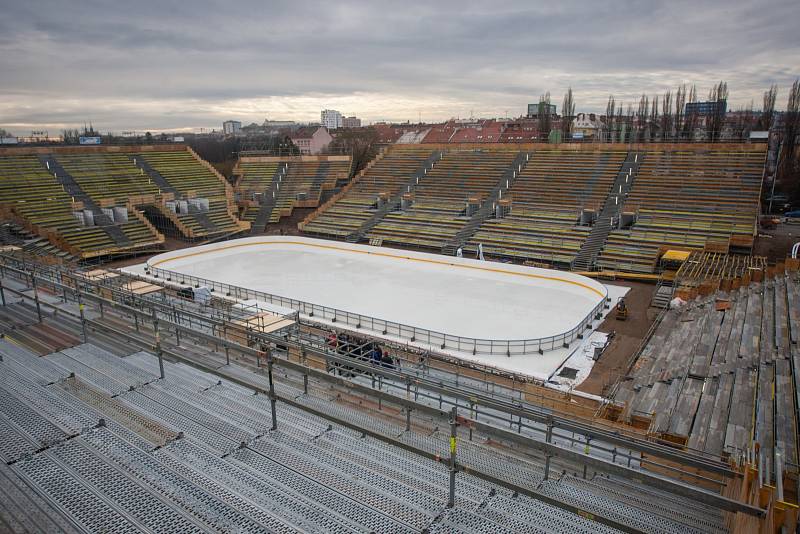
pixel 672 115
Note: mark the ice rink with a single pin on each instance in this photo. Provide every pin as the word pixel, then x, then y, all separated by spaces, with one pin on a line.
pixel 457 296
pixel 454 296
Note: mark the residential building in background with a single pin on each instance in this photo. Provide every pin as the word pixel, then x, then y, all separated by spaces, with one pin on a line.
pixel 706 108
pixel 351 122
pixel 533 110
pixel 331 119
pixel 586 126
pixel 231 127
pixel 311 139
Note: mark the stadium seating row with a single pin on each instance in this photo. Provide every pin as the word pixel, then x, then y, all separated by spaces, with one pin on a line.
pixel 38 199
pixel 687 200
pixel 548 198
pixel 40 196
pixel 301 184
pixel 439 205
pixel 191 452
pixel 386 177
pixel 191 177
pixel 704 197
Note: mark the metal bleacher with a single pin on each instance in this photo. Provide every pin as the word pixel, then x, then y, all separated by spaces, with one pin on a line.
pixel 106 445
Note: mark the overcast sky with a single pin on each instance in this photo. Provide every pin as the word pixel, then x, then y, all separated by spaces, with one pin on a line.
pixel 138 65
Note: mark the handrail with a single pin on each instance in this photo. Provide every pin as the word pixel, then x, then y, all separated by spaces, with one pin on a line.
pixel 412 334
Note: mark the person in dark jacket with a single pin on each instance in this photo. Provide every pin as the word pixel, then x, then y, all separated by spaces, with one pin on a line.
pixel 377 354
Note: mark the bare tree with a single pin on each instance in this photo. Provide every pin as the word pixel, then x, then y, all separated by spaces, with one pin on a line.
pixel 789 164
pixel 680 102
pixel 629 128
pixel 666 115
pixel 71 136
pixel 768 108
pixel 567 112
pixel 610 111
pixel 544 117
pixel 690 119
pixel 652 123
pixel 719 96
pixel 642 114
pixel 744 122
pixel 620 122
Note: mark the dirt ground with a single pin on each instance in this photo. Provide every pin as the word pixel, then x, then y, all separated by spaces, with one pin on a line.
pixel 627 337
pixel 777 244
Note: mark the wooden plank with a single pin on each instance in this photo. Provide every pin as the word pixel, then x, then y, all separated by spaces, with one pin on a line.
pixel 786 429
pixel 680 423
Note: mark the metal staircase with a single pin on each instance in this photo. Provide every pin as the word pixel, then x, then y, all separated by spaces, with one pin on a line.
pixel 268 201
pixel 486 209
pixel 154 175
pixel 101 220
pixel 204 221
pixel 393 203
pixel 609 214
pixel 319 177
pixel 662 296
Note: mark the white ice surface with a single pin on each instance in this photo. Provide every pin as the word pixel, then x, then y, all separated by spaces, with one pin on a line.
pixel 256 266
pixel 455 296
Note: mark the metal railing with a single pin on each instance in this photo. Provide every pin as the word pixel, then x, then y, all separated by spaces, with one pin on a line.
pixel 410 334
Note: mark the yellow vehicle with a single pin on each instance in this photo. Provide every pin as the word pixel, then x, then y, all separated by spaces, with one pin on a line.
pixel 622 309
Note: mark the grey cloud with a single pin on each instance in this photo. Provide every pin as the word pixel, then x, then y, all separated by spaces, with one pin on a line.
pixel 170 64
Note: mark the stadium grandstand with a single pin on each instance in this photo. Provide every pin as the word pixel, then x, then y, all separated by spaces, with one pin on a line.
pixel 586 207
pixel 269 188
pixel 288 384
pixel 98 202
pixel 685 199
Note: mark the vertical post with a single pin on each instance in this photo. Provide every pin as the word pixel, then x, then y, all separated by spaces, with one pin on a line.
pixel 157 336
pixel 83 316
pixel 586 452
pixel 408 418
pixel 36 298
pixel 271 391
pixel 548 438
pixel 136 319
pixel 472 416
pixel 305 383
pixel 779 475
pixel 451 499
pixel 2 292
pixel 102 314
pixel 227 348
